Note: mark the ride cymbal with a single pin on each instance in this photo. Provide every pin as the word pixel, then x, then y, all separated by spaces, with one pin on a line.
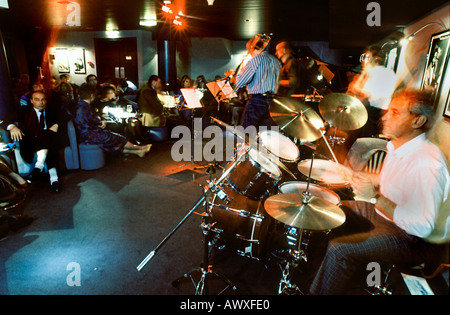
pixel 296 118
pixel 343 111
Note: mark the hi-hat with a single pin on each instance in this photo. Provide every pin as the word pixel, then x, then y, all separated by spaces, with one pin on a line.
pixel 314 214
pixel 296 118
pixel 343 111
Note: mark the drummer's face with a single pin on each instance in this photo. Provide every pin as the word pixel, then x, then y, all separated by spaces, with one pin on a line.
pixel 398 120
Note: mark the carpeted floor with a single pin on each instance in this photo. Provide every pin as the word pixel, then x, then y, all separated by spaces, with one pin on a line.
pixel 90 238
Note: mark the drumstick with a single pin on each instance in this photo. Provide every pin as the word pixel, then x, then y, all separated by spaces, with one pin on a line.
pixel 329 148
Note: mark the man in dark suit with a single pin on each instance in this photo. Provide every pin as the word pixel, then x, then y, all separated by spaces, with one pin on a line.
pixel 35 127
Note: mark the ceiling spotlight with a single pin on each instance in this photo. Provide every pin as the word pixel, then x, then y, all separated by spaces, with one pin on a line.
pixel 210 2
pixel 166 9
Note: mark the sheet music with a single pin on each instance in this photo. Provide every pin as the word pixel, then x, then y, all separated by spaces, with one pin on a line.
pixel 190 98
pixel 221 90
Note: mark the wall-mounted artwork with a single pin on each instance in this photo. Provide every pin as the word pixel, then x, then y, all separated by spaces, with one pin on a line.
pixel 436 63
pixel 62 60
pixel 77 61
pixel 447 107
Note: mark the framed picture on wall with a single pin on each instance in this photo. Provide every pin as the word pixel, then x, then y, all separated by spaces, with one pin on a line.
pixel 77 61
pixel 62 60
pixel 392 58
pixel 436 63
pixel 447 107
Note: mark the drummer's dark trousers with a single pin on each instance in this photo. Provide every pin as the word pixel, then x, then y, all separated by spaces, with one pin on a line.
pixel 256 112
pixel 366 237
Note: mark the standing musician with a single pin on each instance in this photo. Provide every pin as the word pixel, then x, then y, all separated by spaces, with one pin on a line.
pixel 404 217
pixel 260 75
pixel 290 72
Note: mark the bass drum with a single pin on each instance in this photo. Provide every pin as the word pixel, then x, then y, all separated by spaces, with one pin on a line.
pixel 243 223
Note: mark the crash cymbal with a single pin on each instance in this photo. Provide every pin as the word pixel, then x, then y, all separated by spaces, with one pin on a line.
pixel 343 111
pixel 296 118
pixel 259 150
pixel 315 214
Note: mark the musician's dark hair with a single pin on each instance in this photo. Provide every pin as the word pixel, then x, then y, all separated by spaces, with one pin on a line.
pixel 152 78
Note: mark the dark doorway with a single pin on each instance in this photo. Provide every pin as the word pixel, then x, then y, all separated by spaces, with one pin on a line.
pixel 116 59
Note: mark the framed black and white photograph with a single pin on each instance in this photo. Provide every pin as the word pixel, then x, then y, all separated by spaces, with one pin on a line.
pixel 77 61
pixel 436 63
pixel 62 60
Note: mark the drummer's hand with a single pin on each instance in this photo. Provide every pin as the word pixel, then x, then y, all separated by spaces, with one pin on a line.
pixel 103 124
pixel 363 186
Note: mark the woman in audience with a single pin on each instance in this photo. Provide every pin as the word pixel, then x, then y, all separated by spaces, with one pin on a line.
pixel 91 129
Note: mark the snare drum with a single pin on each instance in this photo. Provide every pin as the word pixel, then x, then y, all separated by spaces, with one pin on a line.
pixel 252 174
pixel 243 224
pixel 279 145
pixel 326 172
pixel 315 190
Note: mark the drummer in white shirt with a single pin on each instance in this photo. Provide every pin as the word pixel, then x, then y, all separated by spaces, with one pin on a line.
pixel 402 215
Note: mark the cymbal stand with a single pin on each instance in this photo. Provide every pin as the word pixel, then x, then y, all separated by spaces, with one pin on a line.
pixel 329 147
pixel 336 140
pixel 206 269
pixel 286 286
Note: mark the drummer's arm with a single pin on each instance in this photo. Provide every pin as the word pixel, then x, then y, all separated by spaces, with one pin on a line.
pixel 385 205
pixel 366 186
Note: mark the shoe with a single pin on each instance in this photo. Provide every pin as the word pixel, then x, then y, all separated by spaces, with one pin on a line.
pixel 55 187
pixel 36 174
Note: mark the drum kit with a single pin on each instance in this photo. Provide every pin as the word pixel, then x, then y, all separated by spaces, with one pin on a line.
pixel 250 200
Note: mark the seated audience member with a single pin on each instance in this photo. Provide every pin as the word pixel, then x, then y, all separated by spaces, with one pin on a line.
pixel 108 98
pixel 91 129
pixel 36 127
pixel 150 105
pixel 402 215
pixel 124 89
pixel 25 99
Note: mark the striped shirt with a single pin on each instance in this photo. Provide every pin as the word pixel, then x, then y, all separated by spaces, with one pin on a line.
pixel 260 74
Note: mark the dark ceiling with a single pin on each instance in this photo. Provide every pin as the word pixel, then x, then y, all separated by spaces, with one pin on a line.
pixel 340 22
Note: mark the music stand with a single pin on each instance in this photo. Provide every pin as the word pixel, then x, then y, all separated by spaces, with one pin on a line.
pixel 221 90
pixel 192 103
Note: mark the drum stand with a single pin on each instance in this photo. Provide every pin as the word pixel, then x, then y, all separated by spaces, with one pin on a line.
pixel 286 287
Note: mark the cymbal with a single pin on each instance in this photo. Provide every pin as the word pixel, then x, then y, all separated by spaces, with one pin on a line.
pixel 343 111
pixel 296 118
pixel 316 214
pixel 260 150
